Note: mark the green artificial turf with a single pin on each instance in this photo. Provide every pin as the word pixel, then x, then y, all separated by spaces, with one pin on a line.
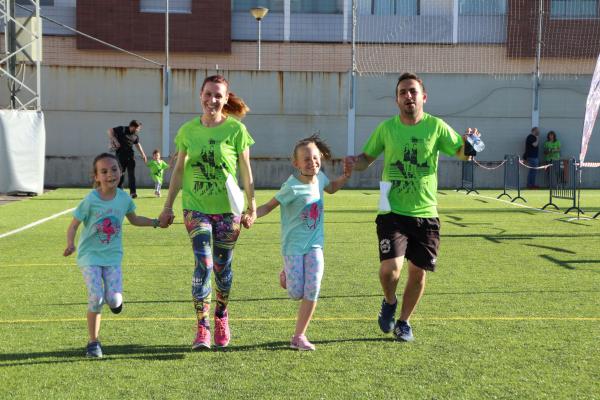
pixel 513 311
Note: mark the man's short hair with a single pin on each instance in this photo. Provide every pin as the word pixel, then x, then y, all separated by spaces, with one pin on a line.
pixel 410 75
pixel 135 123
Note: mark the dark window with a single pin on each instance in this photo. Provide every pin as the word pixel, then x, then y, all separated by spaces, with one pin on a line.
pixel 159 6
pixel 389 7
pixel 317 6
pixel 48 3
pixel 482 7
pixel 275 6
pixel 574 8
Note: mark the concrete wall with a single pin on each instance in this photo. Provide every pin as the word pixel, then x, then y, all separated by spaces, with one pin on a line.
pixel 81 103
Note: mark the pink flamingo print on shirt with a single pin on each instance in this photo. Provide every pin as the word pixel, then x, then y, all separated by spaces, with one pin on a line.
pixel 312 215
pixel 107 229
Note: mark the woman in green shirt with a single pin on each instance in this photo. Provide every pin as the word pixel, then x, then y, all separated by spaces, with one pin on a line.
pixel 552 154
pixel 551 147
pixel 210 148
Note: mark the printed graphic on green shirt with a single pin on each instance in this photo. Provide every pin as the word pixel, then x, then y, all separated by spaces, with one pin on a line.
pixel 207 173
pixel 404 174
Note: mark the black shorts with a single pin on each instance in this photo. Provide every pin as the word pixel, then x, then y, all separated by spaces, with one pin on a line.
pixel 417 239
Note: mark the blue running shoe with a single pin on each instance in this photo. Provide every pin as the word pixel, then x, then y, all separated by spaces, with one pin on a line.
pixel 386 316
pixel 93 350
pixel 403 332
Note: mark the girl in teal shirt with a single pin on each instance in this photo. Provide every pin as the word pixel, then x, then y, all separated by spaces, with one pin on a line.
pixel 301 200
pixel 100 244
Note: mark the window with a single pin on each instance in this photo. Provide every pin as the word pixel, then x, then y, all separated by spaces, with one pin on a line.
pixel 482 7
pixel 159 6
pixel 275 6
pixel 574 8
pixel 388 7
pixel 45 3
pixel 317 6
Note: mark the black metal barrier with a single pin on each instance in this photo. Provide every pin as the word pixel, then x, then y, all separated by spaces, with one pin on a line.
pixel 511 177
pixel 562 183
pixel 468 177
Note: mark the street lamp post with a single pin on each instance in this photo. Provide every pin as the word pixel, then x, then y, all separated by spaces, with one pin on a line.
pixel 259 13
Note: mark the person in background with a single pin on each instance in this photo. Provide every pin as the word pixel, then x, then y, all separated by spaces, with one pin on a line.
pixel 122 139
pixel 531 156
pixel 157 171
pixel 552 153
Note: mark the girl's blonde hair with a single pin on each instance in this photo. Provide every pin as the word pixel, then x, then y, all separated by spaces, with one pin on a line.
pixel 94 169
pixel 320 143
pixel 235 105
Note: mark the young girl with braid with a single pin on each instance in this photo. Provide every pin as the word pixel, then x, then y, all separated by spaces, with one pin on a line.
pixel 301 201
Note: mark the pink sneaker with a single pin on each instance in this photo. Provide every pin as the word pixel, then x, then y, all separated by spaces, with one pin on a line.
pixel 202 340
pixel 222 333
pixel 282 281
pixel 300 342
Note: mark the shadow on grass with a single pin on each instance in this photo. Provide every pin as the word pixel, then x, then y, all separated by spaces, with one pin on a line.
pixel 558 249
pixel 115 352
pixel 570 264
pixel 151 353
pixel 285 345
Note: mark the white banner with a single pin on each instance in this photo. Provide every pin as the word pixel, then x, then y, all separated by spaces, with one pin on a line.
pixel 591 111
pixel 22 151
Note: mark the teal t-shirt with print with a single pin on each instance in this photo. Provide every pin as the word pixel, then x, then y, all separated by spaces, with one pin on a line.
pixel 212 153
pixel 301 215
pixel 410 156
pixel 100 242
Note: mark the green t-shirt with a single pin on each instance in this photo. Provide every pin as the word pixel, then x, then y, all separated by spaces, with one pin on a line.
pixel 157 170
pixel 552 150
pixel 410 155
pixel 212 153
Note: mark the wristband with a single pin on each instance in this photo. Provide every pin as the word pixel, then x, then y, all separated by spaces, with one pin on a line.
pixel 155 223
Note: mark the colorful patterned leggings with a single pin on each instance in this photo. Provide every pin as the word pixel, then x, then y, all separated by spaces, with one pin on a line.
pixel 303 274
pixel 222 230
pixel 104 285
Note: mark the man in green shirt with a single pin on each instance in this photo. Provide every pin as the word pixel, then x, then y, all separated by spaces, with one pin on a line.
pixel 407 222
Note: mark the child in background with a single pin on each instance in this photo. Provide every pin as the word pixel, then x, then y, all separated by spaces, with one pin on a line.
pixel 100 246
pixel 157 171
pixel 301 200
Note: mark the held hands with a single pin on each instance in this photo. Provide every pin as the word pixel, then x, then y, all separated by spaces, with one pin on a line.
pixel 166 217
pixel 248 218
pixel 349 163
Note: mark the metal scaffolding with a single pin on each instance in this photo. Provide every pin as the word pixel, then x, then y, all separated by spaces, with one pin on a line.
pixel 22 51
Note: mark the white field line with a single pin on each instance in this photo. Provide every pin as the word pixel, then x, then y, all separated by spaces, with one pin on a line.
pixel 31 225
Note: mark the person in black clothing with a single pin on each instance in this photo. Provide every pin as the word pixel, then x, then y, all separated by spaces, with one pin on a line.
pixel 122 139
pixel 531 156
